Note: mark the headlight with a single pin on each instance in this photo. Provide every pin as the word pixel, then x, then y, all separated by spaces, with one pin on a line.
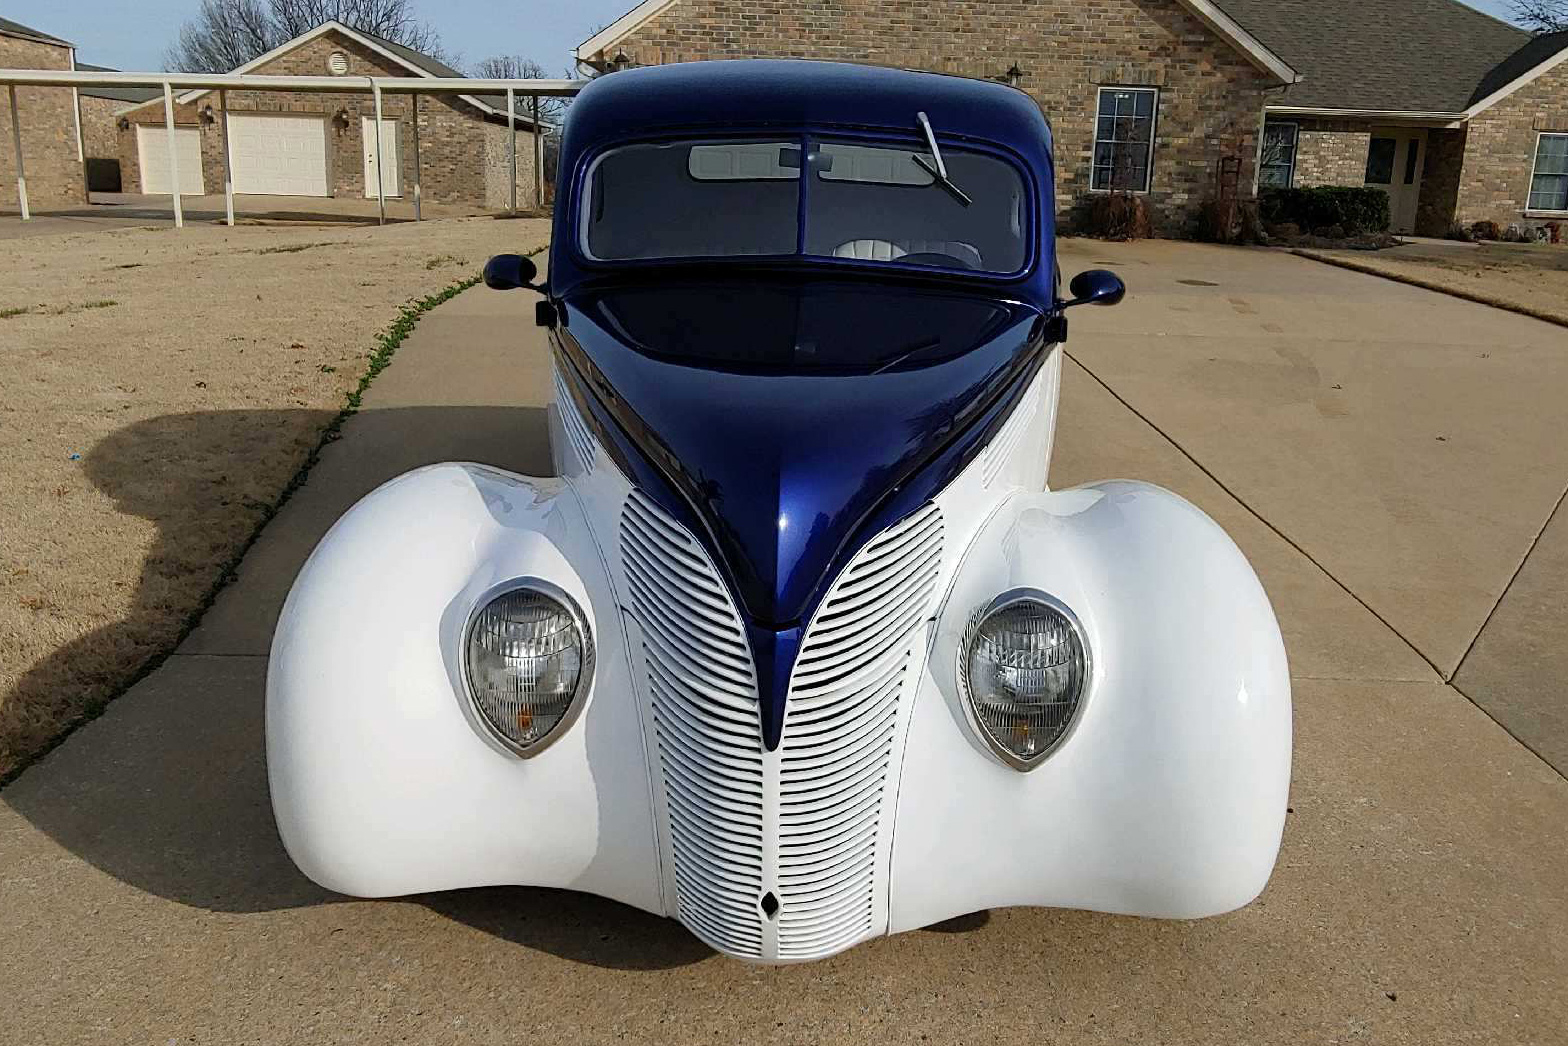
pixel 1023 669
pixel 528 660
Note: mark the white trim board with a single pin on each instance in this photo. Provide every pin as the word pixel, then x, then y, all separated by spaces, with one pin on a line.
pixel 1207 12
pixel 1530 76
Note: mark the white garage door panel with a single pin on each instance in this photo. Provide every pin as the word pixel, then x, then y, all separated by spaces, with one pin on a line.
pixel 152 152
pixel 278 155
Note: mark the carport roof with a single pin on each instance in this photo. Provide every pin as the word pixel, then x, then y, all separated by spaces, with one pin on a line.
pixel 10 28
pixel 1410 56
pixel 117 94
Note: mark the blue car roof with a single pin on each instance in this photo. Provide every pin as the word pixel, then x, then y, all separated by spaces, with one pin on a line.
pixel 799 95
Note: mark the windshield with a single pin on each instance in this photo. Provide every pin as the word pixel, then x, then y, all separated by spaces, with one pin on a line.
pixel 864 201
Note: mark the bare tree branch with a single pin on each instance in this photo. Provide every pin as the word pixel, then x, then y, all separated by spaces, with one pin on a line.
pixel 516 67
pixel 226 34
pixel 1543 16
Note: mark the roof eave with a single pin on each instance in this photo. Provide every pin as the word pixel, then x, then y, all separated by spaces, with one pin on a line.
pixel 321 30
pixel 1529 76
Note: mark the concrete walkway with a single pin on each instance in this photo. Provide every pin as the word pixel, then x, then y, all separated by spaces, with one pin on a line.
pixel 1420 896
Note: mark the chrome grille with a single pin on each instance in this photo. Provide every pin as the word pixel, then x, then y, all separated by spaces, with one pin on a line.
pixel 838 738
pixel 583 444
pixel 1000 452
pixel 704 696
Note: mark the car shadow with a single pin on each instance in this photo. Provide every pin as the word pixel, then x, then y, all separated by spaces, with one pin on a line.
pixel 167 790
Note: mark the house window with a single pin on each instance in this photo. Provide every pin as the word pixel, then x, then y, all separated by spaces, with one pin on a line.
pixel 1380 161
pixel 1549 182
pixel 1277 165
pixel 1124 138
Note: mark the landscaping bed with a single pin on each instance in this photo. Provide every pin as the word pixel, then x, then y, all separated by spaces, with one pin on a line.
pixel 100 332
pixel 1528 278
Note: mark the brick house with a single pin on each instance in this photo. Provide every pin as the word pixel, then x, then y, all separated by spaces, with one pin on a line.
pixel 1457 115
pixel 51 141
pixel 323 144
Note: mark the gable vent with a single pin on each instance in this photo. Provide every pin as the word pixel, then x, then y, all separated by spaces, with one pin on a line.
pixel 337 63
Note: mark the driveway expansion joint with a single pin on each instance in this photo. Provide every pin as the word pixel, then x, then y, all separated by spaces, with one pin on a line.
pixel 1201 467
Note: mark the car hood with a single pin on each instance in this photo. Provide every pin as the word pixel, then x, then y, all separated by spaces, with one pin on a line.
pixel 791 421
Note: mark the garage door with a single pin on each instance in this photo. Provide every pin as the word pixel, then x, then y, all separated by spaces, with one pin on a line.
pixel 152 148
pixel 279 155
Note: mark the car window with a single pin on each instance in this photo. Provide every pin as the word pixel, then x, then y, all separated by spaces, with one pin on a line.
pixel 693 200
pixel 865 202
pixel 885 203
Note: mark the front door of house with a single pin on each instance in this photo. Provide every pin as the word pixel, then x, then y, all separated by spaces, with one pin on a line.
pixel 1394 160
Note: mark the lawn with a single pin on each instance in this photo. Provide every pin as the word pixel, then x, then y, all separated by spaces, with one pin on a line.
pixel 1529 277
pixel 102 331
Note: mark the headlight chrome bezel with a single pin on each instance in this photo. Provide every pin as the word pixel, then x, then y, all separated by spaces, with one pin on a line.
pixel 471 707
pixel 1004 601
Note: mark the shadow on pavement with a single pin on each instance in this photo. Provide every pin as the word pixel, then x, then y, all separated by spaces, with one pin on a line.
pixel 167 791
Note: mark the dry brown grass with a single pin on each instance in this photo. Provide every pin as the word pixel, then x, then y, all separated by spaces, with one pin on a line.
pixel 1528 278
pixel 122 497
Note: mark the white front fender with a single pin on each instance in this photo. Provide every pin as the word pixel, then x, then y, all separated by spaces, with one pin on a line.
pixel 1169 797
pixel 379 783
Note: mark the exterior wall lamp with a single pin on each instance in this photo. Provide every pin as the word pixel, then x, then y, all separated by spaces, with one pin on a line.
pixel 207 116
pixel 620 61
pixel 340 119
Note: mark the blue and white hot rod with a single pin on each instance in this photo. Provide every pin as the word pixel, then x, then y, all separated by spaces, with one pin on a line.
pixel 798 647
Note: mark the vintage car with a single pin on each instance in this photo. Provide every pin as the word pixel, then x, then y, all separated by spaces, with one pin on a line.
pixel 798 647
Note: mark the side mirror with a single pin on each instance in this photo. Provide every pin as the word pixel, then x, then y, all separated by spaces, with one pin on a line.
pixel 506 272
pixel 1096 287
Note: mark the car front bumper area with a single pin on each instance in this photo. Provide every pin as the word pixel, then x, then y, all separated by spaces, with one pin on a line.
pixel 880 811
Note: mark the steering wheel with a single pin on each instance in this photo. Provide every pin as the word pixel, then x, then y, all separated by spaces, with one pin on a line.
pixel 935 258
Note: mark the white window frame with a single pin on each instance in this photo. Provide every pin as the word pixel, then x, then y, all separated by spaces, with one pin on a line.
pixel 1154 130
pixel 1295 151
pixel 1535 162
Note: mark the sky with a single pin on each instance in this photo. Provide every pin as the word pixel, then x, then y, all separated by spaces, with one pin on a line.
pixel 133 34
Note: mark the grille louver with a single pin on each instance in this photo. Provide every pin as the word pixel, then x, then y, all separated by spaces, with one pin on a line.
pixel 777 855
pixel 583 444
pixel 838 738
pixel 1000 452
pixel 704 696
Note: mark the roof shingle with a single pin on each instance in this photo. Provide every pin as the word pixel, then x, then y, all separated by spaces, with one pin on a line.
pixel 1426 56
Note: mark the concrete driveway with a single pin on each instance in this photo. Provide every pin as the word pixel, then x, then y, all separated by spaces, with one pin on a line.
pixel 1389 458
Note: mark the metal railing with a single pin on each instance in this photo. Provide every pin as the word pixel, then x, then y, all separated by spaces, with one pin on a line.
pixel 225 82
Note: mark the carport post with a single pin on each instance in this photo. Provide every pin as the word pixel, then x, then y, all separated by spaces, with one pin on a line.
pixel 228 175
pixel 538 160
pixel 511 133
pixel 16 140
pixel 174 156
pixel 417 188
pixel 381 178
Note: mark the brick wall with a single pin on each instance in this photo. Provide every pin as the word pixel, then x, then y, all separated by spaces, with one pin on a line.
pixel 49 156
pixel 498 168
pixel 1210 96
pixel 1500 153
pixel 1331 152
pixel 100 135
pixel 452 134
pixel 1440 175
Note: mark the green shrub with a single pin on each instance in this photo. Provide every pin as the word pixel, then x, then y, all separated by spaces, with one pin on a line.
pixel 1354 209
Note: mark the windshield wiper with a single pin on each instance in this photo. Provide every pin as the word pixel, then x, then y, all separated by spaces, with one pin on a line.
pixel 939 172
